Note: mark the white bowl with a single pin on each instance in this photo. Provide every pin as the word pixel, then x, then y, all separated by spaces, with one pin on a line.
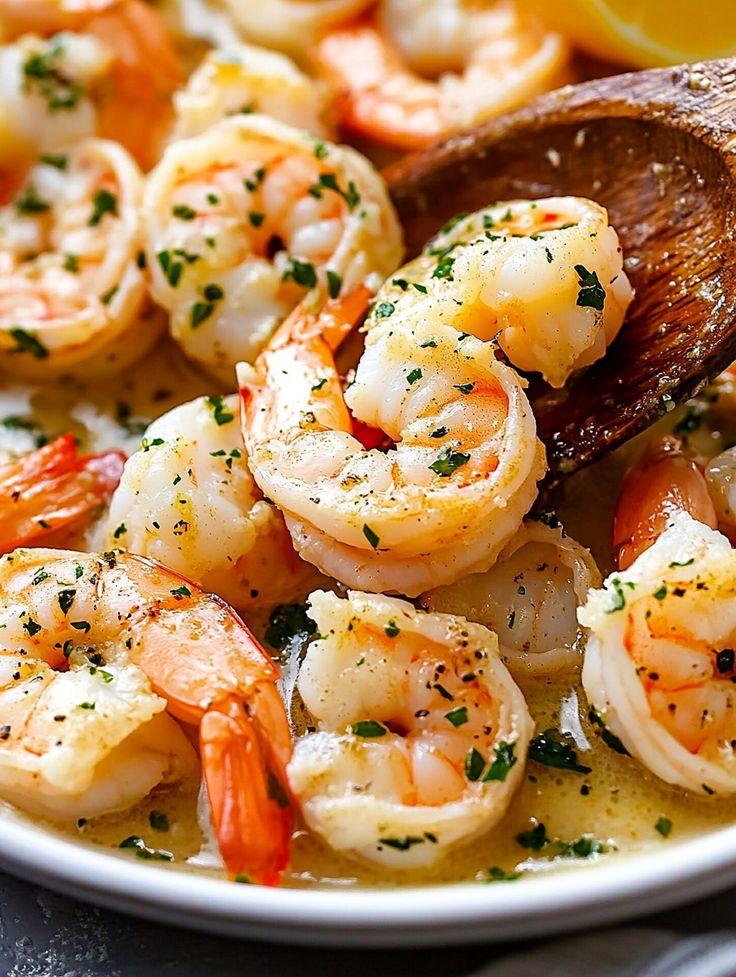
pixel 552 902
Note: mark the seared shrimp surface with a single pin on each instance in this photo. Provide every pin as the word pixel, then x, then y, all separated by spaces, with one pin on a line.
pixel 246 219
pixel 72 290
pixel 422 733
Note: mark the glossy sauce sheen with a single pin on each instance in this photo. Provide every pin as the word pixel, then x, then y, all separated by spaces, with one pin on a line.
pixel 617 803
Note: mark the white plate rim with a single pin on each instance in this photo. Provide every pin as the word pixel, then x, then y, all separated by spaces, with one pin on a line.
pixel 553 902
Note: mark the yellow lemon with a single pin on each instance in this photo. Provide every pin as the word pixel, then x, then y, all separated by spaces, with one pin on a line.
pixel 645 33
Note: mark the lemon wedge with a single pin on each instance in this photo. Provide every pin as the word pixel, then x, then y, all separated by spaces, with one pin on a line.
pixel 645 33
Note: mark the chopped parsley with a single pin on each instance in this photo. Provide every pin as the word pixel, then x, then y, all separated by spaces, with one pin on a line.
pixel 287 623
pixel 391 629
pixel 609 738
pixel 457 717
pixel 301 272
pixel 371 536
pixel 334 283
pixel 29 202
pixel 32 627
pixel 66 599
pixel 414 375
pixel 328 181
pixel 535 838
pixel 368 729
pixel 158 820
pixel 448 462
pixel 41 72
pixel 221 413
pixel 385 309
pixel 663 826
pixel 59 161
pixel 554 749
pixel 103 203
pixel 120 530
pixel 402 844
pixel 109 295
pixel 474 765
pixel 183 212
pixel 591 295
pixel 27 343
pixel 502 763
pixel 497 874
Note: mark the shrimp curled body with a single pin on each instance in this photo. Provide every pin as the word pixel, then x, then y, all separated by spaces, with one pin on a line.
pixel 445 498
pixel 72 292
pixel 422 733
pixel 659 664
pixel 246 218
pixel 60 608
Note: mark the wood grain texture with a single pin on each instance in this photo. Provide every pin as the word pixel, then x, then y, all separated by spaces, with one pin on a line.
pixel 658 149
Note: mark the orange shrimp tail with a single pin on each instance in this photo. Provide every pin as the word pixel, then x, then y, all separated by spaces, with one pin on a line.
pixel 377 97
pixel 333 322
pixel 248 791
pixel 52 489
pixel 665 481
pixel 135 107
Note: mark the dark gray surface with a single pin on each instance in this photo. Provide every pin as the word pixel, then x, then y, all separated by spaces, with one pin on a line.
pixel 46 935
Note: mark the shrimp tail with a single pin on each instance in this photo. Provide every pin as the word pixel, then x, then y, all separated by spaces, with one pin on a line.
pixel 248 792
pixel 51 489
pixel 665 481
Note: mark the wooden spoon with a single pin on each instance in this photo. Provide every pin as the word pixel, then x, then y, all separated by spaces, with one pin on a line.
pixel 658 149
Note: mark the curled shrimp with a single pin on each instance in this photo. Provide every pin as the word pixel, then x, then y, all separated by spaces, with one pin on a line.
pixel 421 733
pixel 292 26
pixel 529 598
pixel 72 292
pixel 477 61
pixel 80 738
pixel 53 491
pixel 448 494
pixel 543 278
pixel 245 78
pixel 659 663
pixel 664 481
pixel 188 500
pixel 198 656
pixel 105 69
pixel 246 219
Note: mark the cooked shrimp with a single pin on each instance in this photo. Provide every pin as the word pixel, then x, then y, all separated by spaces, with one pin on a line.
pixel 187 499
pixel 422 733
pixel 244 79
pixel 720 477
pixel 544 278
pixel 659 664
pixel 72 292
pixel 79 739
pixel 292 25
pixel 197 654
pixel 245 219
pixel 53 491
pixel 664 481
pixel 449 493
pixel 529 597
pixel 106 69
pixel 480 61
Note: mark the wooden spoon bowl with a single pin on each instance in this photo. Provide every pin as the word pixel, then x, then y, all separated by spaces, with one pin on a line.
pixel 658 149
